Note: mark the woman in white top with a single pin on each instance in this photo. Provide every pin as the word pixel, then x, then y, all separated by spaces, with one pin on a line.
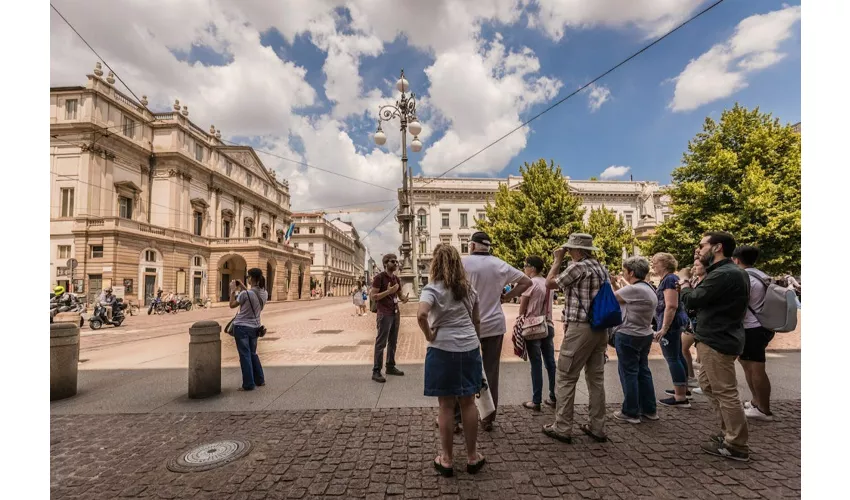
pixel 449 319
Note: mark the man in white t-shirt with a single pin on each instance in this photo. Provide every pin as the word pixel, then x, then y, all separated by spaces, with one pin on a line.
pixel 489 275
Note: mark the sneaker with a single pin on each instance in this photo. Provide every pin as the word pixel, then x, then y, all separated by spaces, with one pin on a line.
pixel 718 438
pixel 754 413
pixel 392 370
pixel 625 418
pixel 378 378
pixel 698 391
pixel 650 416
pixel 720 450
pixel 672 402
pixel 693 382
pixel 748 405
pixel 671 392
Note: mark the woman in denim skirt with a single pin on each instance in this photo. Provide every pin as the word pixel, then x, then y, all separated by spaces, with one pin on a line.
pixel 246 326
pixel 448 317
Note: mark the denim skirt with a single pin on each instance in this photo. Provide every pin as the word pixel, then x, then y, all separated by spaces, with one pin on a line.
pixel 453 373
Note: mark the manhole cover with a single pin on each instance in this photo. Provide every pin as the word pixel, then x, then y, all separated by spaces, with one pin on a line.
pixel 209 456
pixel 328 332
pixel 339 348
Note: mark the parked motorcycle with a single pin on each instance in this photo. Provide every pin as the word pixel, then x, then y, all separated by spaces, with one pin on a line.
pixel 98 318
pixel 67 303
pixel 184 304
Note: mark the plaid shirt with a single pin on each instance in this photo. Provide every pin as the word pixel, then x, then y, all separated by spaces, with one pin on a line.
pixel 580 283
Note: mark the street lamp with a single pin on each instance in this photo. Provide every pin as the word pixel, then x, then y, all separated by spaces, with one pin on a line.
pixel 405 110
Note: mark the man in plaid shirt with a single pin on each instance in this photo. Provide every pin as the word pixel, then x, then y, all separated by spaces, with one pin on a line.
pixel 582 347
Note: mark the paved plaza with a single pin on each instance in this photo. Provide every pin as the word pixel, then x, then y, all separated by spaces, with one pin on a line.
pixel 321 428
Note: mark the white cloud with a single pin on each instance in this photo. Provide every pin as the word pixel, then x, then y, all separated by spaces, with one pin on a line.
pixel 614 172
pixel 597 96
pixel 723 70
pixel 652 17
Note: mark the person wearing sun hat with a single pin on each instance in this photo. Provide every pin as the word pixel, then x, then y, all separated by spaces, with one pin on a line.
pixel 582 347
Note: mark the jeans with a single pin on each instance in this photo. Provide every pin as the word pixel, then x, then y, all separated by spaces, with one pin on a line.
pixel 635 377
pixel 387 339
pixel 246 345
pixel 542 352
pixel 674 357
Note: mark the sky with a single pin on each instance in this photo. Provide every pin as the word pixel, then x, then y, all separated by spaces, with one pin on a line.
pixel 303 80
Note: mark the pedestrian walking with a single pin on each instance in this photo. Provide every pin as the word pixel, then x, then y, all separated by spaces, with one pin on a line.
pixel 536 303
pixel 721 300
pixel 582 347
pixel 671 319
pixel 756 337
pixel 358 300
pixel 489 275
pixel 449 318
pixel 247 326
pixel 633 339
pixel 386 292
pixel 364 297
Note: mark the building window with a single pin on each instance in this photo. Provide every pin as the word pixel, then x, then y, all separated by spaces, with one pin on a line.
pixel 197 261
pixel 423 218
pixel 422 247
pixel 96 251
pixel 225 228
pixel 312 230
pixel 464 245
pixel 129 127
pixel 199 152
pixel 295 245
pixel 95 282
pixel 125 207
pixel 310 246
pixel 464 219
pixel 247 231
pixel 446 240
pixel 481 215
pixel 71 109
pixel 628 220
pixel 67 195
pixel 64 251
pixel 296 230
pixel 250 179
pixel 228 168
pixel 199 222
pixel 150 255
pixel 445 216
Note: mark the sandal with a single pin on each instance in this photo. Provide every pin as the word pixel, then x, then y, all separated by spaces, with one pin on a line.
pixel 442 469
pixel 474 468
pixel 586 429
pixel 531 406
pixel 549 431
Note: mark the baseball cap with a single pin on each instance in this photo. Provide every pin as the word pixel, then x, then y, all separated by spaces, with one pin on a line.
pixel 481 237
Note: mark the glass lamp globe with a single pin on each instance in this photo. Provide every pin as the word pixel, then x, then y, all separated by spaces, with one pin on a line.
pixel 380 137
pixel 402 85
pixel 414 127
pixel 416 145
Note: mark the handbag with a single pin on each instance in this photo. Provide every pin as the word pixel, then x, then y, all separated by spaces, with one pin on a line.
pixel 518 341
pixel 484 399
pixel 534 327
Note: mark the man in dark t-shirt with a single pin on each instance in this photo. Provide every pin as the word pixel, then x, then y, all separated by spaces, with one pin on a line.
pixel 386 292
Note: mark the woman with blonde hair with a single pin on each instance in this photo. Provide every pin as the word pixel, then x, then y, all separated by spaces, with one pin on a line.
pixel 448 317
pixel 671 320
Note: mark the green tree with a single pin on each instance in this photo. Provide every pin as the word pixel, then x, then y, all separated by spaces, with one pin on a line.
pixel 611 235
pixel 533 218
pixel 742 175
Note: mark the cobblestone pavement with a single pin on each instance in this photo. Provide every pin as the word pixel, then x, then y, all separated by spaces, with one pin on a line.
pixel 388 452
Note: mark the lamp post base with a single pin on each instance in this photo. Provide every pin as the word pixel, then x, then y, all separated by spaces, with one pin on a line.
pixel 407 288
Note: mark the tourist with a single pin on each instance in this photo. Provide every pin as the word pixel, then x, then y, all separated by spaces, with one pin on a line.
pixel 633 339
pixel 756 337
pixel 247 325
pixel 537 302
pixel 697 271
pixel 582 347
pixel 364 297
pixel 671 319
pixel 449 318
pixel 357 299
pixel 489 275
pixel 386 291
pixel 721 301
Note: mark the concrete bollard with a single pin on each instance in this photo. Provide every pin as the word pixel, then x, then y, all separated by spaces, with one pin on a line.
pixel 204 359
pixel 70 317
pixel 64 356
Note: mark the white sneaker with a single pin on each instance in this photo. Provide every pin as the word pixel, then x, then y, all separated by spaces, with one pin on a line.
pixel 625 418
pixel 748 405
pixel 693 382
pixel 697 391
pixel 756 414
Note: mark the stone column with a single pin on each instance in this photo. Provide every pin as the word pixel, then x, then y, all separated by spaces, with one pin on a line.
pixel 64 356
pixel 204 359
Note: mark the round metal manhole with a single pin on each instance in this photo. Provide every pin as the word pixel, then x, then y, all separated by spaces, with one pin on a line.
pixel 209 456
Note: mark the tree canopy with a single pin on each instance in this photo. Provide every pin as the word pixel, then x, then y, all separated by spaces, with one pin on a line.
pixel 610 235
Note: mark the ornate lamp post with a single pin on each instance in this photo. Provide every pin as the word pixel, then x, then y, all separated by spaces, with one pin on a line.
pixel 405 110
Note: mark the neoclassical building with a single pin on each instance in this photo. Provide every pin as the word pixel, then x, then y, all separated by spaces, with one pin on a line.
pixel 143 201
pixel 338 255
pixel 446 209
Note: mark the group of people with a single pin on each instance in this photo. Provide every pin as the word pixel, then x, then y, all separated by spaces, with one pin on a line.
pixel 712 305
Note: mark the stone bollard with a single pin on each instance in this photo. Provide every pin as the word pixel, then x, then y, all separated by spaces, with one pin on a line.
pixel 64 356
pixel 70 317
pixel 204 359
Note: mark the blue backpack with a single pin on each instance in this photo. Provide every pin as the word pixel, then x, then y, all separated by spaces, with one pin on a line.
pixel 604 310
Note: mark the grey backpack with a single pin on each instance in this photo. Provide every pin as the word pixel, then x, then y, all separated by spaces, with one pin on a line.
pixel 779 311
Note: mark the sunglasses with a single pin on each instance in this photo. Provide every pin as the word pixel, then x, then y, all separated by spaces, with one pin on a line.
pixel 392 261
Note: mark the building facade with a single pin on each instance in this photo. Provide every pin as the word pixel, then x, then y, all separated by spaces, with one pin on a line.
pixel 446 210
pixel 146 201
pixel 338 254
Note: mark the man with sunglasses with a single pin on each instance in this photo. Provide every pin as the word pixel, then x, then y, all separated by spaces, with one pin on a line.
pixel 721 300
pixel 386 292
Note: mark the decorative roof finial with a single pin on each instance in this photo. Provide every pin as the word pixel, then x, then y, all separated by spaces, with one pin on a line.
pixel 185 110
pixel 144 100
pixel 212 129
pixel 110 79
pixel 98 71
pixel 217 134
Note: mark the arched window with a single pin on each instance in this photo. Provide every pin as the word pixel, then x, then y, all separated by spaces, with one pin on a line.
pixel 423 217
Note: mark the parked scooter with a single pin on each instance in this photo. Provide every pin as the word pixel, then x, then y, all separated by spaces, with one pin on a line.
pixel 184 304
pixel 98 318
